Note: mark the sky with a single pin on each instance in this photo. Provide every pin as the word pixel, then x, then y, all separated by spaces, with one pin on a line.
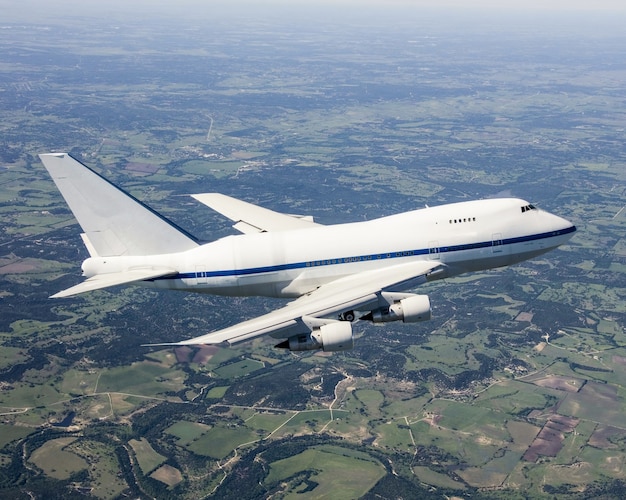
pixel 26 9
pixel 587 17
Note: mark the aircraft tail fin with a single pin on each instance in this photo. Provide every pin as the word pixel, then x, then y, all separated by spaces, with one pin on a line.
pixel 113 221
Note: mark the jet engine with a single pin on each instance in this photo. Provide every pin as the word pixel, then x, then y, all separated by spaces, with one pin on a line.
pixel 411 309
pixel 335 336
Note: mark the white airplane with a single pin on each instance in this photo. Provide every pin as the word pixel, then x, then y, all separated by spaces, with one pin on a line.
pixel 332 272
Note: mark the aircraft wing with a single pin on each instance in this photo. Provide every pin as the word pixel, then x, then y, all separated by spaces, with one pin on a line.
pixel 251 218
pixel 111 279
pixel 359 291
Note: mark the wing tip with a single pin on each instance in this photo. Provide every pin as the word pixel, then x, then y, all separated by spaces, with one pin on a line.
pixel 187 343
pixel 58 154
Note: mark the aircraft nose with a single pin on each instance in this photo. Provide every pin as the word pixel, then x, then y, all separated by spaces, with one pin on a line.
pixel 561 227
pixel 566 225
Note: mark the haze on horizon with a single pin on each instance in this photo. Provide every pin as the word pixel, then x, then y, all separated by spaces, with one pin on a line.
pixel 36 10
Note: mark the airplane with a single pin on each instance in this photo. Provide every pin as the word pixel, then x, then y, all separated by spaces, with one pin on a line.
pixel 335 274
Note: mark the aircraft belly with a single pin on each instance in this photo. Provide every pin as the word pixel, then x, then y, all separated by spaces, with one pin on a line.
pixel 499 255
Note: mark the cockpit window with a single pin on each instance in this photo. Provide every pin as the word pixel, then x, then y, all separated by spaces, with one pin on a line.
pixel 527 208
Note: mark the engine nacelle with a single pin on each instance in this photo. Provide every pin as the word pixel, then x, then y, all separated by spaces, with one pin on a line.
pixel 336 336
pixel 409 310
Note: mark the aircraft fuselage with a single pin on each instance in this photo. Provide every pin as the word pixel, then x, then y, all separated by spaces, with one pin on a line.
pixel 466 236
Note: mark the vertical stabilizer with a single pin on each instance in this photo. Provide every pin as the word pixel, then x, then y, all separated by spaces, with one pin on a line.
pixel 114 222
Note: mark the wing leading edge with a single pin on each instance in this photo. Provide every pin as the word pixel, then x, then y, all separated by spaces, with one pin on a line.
pixel 358 291
pixel 251 218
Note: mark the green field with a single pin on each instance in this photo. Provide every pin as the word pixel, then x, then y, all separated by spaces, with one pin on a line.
pixel 147 458
pixel 187 432
pixel 337 473
pixel 239 368
pixel 10 433
pixel 55 461
pixel 220 441
pixel 145 379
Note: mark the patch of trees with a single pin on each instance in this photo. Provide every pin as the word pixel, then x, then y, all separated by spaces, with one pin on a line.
pixel 383 360
pixel 330 382
pixel 360 372
pixel 126 468
pixel 14 373
pixel 553 314
pixel 279 387
pixel 25 304
pixel 151 423
pixel 428 375
pixel 610 489
pixel 577 366
pixel 461 380
pixel 18 481
pixel 394 486
pixel 42 488
pixel 197 377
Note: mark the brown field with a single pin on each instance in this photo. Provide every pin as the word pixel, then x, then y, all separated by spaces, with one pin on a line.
pixel 18 267
pixel 549 441
pixel 168 475
pixel 142 168
pixel 600 403
pixel 567 384
pixel 525 316
pixel 601 437
pixel 188 355
pixel 606 392
pixel 619 360
pixel 183 354
pixel 563 423
pixel 204 354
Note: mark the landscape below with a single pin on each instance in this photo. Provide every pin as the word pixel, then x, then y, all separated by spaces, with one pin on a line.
pixel 515 388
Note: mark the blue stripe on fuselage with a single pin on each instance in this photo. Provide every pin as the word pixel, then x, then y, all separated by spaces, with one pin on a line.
pixel 364 258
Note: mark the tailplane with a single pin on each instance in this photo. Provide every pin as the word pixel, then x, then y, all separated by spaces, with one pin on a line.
pixel 113 221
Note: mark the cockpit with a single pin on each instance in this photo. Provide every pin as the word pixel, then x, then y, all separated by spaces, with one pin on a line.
pixel 526 208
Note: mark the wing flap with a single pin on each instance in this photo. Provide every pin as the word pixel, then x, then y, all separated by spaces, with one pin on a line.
pixel 111 279
pixel 251 218
pixel 352 292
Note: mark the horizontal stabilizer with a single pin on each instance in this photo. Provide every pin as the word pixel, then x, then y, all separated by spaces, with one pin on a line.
pixel 251 218
pixel 111 279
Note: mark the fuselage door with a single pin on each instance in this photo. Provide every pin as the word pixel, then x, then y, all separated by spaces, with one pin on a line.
pixel 496 243
pixel 201 276
pixel 434 252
